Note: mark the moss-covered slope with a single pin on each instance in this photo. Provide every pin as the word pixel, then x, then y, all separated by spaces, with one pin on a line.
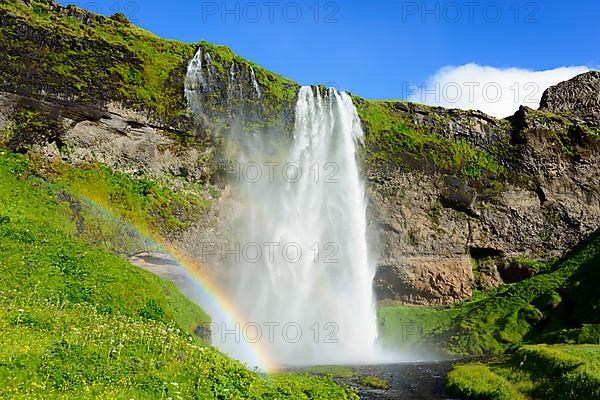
pixel 536 372
pixel 47 257
pixel 561 304
pixel 405 136
pixel 79 322
pixel 71 54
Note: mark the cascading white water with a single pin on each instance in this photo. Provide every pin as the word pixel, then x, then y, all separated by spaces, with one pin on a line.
pixel 310 206
pixel 202 79
pixel 196 84
pixel 298 261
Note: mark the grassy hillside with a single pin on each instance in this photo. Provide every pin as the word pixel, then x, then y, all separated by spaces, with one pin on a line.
pixel 79 322
pixel 515 322
pixel 73 54
pixel 561 304
pixel 559 372
pixel 394 140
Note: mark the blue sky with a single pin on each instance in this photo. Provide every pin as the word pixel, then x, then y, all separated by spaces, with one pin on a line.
pixel 374 48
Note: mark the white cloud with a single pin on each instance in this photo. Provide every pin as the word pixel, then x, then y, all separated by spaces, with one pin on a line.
pixel 495 91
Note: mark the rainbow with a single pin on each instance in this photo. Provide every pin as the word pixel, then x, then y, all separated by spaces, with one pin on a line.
pixel 259 357
pixel 255 354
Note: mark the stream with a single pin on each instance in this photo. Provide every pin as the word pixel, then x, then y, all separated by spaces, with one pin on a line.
pixel 407 381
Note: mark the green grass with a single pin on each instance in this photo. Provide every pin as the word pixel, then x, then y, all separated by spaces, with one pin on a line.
pixel 78 322
pixel 110 59
pixel 404 326
pixel 333 371
pixel 393 139
pixel 75 351
pixel 477 382
pixel 43 260
pixel 144 202
pixel 560 304
pixel 374 382
pixel 558 372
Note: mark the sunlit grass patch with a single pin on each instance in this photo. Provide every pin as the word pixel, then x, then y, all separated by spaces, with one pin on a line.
pixel 558 372
pixel 374 382
pixel 78 322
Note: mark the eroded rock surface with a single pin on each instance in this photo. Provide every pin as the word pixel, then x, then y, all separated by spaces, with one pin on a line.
pixel 579 97
pixel 435 230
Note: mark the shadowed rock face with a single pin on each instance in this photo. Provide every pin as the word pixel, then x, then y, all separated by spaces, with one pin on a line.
pixel 441 235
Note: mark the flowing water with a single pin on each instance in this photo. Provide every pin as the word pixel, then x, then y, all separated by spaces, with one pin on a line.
pixel 298 261
pixel 406 381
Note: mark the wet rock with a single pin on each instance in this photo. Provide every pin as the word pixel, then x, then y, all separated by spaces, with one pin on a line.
pixel 425 280
pixel 513 271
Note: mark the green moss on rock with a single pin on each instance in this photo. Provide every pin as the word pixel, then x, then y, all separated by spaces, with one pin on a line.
pixel 29 127
pixel 71 54
pixel 394 139
pixel 540 372
pixel 530 311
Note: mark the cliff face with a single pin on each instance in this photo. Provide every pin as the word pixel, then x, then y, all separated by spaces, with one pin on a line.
pixel 444 231
pixel 81 88
pixel 76 56
pixel 458 199
pixel 579 97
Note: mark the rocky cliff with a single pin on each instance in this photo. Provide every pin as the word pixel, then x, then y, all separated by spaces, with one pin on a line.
pixel 458 199
pixel 445 230
pixel 82 88
pixel 579 97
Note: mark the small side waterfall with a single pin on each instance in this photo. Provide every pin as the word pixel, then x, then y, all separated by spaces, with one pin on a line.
pixel 197 82
pixel 205 81
pixel 299 268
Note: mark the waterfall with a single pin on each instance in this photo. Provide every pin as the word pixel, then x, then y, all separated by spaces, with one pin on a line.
pixel 195 85
pixel 204 82
pixel 255 84
pixel 298 263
